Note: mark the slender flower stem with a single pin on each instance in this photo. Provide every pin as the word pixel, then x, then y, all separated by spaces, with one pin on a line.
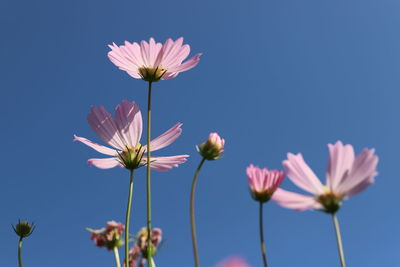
pixel 20 252
pixel 192 219
pixel 128 215
pixel 116 255
pixel 339 239
pixel 149 256
pixel 263 251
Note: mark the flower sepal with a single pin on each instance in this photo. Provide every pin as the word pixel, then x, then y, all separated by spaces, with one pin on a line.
pixel 212 148
pixel 131 158
pixel 24 229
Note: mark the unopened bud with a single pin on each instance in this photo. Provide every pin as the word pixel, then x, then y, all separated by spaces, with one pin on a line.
pixel 24 229
pixel 212 148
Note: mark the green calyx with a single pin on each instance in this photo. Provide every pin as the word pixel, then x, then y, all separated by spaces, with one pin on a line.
pixel 131 158
pixel 24 229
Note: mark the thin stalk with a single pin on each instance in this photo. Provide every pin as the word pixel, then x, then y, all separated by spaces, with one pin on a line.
pixel 116 255
pixel 128 215
pixel 149 256
pixel 263 251
pixel 192 219
pixel 20 252
pixel 339 239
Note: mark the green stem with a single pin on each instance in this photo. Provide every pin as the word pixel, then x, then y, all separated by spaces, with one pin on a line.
pixel 20 252
pixel 116 255
pixel 339 239
pixel 192 219
pixel 128 215
pixel 149 256
pixel 263 251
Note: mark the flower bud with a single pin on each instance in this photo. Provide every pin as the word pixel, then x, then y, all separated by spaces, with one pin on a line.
pixel 212 148
pixel 24 229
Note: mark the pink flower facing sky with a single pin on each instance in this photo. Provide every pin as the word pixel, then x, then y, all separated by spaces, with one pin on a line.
pixel 263 182
pixel 123 133
pixel 153 61
pixel 346 175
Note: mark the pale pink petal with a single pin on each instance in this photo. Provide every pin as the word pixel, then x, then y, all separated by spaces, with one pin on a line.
pixel 166 138
pixel 295 201
pixel 360 187
pixel 103 125
pixel 301 174
pixel 170 49
pixel 102 149
pixel 126 57
pixel 145 52
pixel 233 262
pixel 341 159
pixel 364 167
pixel 106 163
pixel 165 163
pixel 191 63
pixel 128 119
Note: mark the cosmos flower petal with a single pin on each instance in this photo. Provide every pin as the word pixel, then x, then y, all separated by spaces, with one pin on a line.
pixel 301 174
pixel 128 119
pixel 166 163
pixel 360 187
pixel 191 63
pixel 166 138
pixel 364 168
pixel 233 261
pixel 295 201
pixel 341 158
pixel 103 124
pixel 106 163
pixel 99 148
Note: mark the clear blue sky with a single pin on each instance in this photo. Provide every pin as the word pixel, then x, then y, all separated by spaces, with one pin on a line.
pixel 276 77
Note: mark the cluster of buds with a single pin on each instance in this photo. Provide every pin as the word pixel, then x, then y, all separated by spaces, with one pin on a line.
pixel 109 237
pixel 24 229
pixel 138 254
pixel 263 182
pixel 212 148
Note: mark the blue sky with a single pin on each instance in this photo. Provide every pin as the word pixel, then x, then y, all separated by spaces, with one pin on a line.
pixel 275 77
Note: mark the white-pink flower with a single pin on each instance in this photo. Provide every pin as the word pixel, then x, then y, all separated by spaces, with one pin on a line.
pixel 263 182
pixel 346 175
pixel 153 61
pixel 123 133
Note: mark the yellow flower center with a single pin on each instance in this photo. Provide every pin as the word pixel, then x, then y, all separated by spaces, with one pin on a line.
pixel 152 74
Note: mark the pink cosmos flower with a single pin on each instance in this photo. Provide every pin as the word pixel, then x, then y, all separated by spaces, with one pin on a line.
pixel 263 182
pixel 233 262
pixel 109 236
pixel 346 175
pixel 138 254
pixel 123 133
pixel 153 61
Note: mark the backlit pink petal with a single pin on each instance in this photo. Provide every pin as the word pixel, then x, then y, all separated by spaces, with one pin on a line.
pixel 106 163
pixel 189 64
pixel 103 124
pixel 233 262
pixel 300 173
pixel 99 148
pixel 128 119
pixel 166 138
pixel 364 168
pixel 341 158
pixel 166 163
pixel 295 201
pixel 360 187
